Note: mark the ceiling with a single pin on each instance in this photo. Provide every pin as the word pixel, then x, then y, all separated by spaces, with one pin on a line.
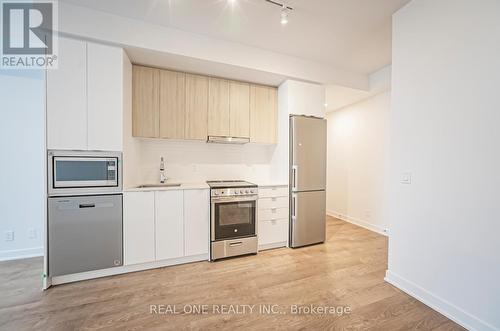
pixel 353 35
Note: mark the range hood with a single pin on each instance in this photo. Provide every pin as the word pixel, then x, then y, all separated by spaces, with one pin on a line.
pixel 227 140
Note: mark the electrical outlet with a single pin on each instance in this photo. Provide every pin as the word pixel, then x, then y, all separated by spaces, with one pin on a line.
pixel 32 233
pixel 9 235
pixel 406 178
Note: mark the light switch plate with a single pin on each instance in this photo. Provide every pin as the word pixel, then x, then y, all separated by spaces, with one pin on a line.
pixel 406 178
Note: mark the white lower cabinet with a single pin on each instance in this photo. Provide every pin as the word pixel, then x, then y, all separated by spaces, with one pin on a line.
pixel 273 232
pixel 169 223
pixel 165 225
pixel 273 217
pixel 138 227
pixel 196 222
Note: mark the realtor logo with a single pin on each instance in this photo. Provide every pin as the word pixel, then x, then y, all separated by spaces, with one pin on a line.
pixel 28 39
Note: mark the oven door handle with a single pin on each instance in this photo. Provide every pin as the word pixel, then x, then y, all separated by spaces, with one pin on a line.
pixel 233 199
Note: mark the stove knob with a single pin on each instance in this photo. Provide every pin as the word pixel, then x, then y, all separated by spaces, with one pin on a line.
pixel 236 192
pixel 251 191
pixel 246 191
pixel 241 191
pixel 216 193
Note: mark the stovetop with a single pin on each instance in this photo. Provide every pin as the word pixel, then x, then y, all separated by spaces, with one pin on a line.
pixel 229 183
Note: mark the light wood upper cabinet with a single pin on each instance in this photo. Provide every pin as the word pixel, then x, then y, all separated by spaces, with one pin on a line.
pixel 196 119
pixel 239 109
pixel 172 104
pixel 263 114
pixel 218 107
pixel 145 102
pixel 176 105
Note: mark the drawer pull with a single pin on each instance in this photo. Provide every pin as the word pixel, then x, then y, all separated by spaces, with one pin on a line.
pixel 273 199
pixel 239 243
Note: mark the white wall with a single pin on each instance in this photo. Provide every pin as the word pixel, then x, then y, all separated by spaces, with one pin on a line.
pixel 22 143
pixel 444 240
pixel 358 152
pixel 196 161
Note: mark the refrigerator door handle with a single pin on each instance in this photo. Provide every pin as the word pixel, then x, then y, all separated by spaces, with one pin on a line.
pixel 293 207
pixel 294 177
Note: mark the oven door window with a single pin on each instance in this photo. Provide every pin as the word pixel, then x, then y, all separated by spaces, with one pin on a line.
pixel 84 172
pixel 234 219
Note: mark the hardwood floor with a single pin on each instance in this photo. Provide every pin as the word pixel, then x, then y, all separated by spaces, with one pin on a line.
pixel 347 271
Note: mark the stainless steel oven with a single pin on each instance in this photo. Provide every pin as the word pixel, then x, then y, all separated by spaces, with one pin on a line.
pixel 84 172
pixel 233 219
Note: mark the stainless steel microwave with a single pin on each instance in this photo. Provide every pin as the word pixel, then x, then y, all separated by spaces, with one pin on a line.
pixel 84 172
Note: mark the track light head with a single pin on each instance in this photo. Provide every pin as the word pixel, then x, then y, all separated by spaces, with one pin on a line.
pixel 284 15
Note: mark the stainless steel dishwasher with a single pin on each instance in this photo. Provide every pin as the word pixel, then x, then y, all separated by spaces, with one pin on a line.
pixel 85 233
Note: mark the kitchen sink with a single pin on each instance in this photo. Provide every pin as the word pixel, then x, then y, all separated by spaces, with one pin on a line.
pixel 158 185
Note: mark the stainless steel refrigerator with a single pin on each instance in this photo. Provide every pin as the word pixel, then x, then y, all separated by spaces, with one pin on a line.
pixel 307 180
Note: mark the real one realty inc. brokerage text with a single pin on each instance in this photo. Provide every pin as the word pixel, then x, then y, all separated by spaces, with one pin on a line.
pixel 265 309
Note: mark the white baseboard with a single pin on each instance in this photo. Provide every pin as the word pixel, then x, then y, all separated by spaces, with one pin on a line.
pixel 358 222
pixel 21 253
pixel 442 306
pixel 57 280
pixel 272 246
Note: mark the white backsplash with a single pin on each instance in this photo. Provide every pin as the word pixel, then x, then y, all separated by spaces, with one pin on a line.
pixel 195 161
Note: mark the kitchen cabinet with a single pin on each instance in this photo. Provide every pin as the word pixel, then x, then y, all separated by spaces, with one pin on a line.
pixel 239 109
pixel 273 215
pixel 85 97
pixel 67 98
pixel 176 105
pixel 263 114
pixel 218 107
pixel 196 221
pixel 172 91
pixel 196 117
pixel 145 102
pixel 138 227
pixel 169 224
pixel 165 224
pixel 105 97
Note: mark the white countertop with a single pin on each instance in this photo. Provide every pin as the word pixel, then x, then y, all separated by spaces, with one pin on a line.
pixel 191 186
pixel 183 186
pixel 269 184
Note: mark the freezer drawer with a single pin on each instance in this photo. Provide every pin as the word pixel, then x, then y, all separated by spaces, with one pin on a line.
pixel 85 233
pixel 308 211
pixel 307 154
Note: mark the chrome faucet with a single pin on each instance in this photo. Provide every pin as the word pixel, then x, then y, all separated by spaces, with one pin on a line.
pixel 163 178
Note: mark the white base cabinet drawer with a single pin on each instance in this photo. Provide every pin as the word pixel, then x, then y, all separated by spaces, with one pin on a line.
pixel 273 214
pixel 274 191
pixel 276 202
pixel 271 232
